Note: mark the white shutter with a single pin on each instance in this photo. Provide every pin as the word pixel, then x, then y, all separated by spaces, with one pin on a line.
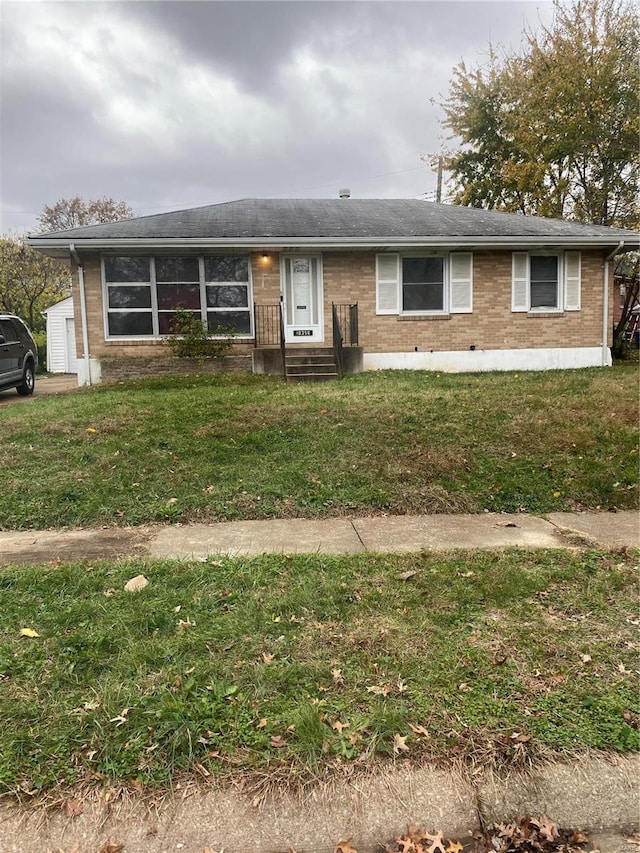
pixel 520 282
pixel 572 281
pixel 461 279
pixel 387 284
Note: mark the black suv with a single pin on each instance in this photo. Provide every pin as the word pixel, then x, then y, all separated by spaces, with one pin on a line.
pixel 18 355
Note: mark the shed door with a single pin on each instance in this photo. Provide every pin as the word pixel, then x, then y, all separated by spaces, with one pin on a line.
pixel 70 346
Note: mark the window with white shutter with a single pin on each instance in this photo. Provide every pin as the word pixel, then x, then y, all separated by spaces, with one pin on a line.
pixel 461 282
pixel 545 281
pixel 572 274
pixel 520 282
pixel 387 283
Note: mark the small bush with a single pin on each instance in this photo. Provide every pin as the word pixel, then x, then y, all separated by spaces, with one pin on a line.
pixel 190 337
pixel 41 343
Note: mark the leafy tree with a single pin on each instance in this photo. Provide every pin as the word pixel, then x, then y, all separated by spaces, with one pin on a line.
pixel 553 130
pixel 29 281
pixel 74 212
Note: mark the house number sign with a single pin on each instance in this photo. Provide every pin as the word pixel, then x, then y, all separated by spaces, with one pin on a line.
pixel 302 333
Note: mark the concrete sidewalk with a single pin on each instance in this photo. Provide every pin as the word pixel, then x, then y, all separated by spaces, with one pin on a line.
pixel 390 534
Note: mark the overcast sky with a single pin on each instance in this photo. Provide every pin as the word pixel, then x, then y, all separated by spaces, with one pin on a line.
pixel 168 104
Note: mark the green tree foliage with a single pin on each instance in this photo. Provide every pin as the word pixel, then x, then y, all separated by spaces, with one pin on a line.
pixel 76 212
pixel 29 281
pixel 553 130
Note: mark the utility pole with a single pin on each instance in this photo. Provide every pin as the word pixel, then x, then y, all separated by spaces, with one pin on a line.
pixel 439 187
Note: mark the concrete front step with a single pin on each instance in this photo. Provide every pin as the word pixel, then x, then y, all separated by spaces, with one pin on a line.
pixel 311 364
pixel 299 360
pixel 329 367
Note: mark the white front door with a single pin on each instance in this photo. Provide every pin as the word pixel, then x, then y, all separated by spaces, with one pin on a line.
pixel 302 289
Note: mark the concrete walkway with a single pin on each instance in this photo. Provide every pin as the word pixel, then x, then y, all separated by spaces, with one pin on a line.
pixel 390 534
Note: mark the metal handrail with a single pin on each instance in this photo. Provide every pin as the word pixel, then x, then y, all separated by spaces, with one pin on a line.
pixel 337 340
pixel 282 340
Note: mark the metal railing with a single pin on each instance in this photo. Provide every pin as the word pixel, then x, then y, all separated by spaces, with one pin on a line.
pixel 268 324
pixel 337 340
pixel 347 315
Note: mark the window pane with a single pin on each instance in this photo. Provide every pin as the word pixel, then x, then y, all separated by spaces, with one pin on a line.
pixel 544 281
pixel 130 323
pixel 544 294
pixel 544 268
pixel 178 296
pixel 129 297
pixel 177 269
pixel 226 268
pixel 239 321
pixel 126 269
pixel 418 270
pixel 227 296
pixel 166 322
pixel 423 297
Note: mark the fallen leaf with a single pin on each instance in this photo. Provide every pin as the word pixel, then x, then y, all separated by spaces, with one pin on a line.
pixel 585 658
pixel 183 624
pixel 136 584
pixel 110 846
pixel 622 668
pixel 267 658
pixel 121 719
pixel 91 430
pixel 339 727
pixel 278 741
pixel 73 807
pixel 419 730
pixel 406 575
pixel 261 723
pixel 400 744
pixel 28 632
pixel 379 691
pixel 345 847
pixel 172 501
pixel 337 676
pixel 437 842
pixel 454 847
pixel 518 737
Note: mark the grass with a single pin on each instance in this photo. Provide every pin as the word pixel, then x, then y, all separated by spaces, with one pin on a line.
pixel 235 447
pixel 251 665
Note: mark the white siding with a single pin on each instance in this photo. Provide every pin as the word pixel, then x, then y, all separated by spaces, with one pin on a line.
pixel 61 357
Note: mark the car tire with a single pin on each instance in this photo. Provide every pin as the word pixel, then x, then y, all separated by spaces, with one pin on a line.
pixel 28 383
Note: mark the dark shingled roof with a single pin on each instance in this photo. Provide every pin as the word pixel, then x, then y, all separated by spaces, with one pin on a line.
pixel 359 219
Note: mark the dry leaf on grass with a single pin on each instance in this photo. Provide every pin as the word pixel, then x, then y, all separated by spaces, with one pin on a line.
pixel 400 744
pixel 136 584
pixel 28 632
pixel 345 847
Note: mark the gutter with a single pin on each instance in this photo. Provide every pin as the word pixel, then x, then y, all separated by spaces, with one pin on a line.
pixel 83 315
pixel 288 242
pixel 605 304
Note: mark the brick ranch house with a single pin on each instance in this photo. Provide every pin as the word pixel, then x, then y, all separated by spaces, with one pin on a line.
pixel 368 284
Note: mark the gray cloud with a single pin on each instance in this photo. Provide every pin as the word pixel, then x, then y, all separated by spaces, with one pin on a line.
pixel 167 105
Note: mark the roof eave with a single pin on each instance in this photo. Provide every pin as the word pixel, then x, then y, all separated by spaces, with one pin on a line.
pixel 56 246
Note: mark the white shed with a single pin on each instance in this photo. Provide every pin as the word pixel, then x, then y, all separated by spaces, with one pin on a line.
pixel 61 338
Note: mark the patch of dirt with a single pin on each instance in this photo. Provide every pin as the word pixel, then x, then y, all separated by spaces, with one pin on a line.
pixel 42 546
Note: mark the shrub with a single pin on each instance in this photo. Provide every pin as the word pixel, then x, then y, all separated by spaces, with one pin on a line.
pixel 190 337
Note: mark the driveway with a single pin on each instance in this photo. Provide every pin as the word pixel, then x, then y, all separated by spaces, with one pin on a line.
pixel 60 383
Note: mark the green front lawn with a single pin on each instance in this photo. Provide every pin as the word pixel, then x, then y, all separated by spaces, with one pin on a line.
pixel 235 447
pixel 302 662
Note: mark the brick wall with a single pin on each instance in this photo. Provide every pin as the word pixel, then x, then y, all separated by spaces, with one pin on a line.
pixel 350 277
